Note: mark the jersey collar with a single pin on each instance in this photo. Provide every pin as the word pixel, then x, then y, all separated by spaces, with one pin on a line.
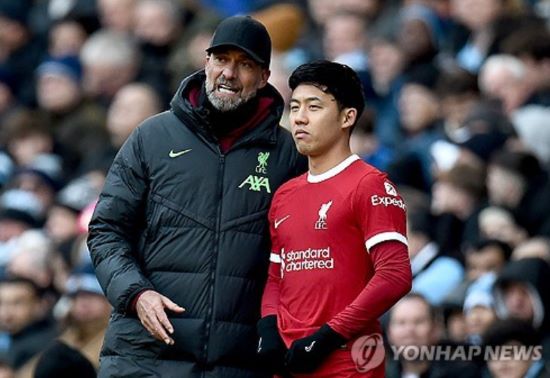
pixel 333 171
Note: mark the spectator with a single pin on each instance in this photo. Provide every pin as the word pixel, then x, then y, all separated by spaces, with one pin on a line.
pixel 479 308
pixel 26 136
pixel 132 105
pixel 484 131
pixel 61 361
pixel 24 316
pixel 158 28
pixel 21 50
pixel 78 124
pixel 419 113
pixel 418 37
pixel 117 15
pixel 345 39
pixel 111 60
pixel 516 333
pixel 503 77
pixel 66 38
pixel 516 181
pixel 486 256
pixel 435 274
pixel 530 126
pixel 479 16
pixel 533 247
pixel 531 45
pixel 63 216
pixel 19 211
pixel 188 54
pixel 382 89
pixel 8 102
pixel 42 177
pixel 33 259
pixel 499 224
pixel 414 322
pixel 88 316
pixel 457 199
pixel 521 292
pixel 458 92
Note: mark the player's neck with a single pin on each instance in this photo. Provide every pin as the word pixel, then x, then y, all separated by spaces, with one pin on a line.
pixel 322 163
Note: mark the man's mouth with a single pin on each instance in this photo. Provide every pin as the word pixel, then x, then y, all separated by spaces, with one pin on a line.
pixel 224 88
pixel 300 133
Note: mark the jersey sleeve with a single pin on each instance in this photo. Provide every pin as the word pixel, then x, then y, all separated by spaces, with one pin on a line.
pixel 392 280
pixel 380 210
pixel 270 297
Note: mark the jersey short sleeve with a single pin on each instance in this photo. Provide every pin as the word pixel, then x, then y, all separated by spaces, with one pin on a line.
pixel 380 209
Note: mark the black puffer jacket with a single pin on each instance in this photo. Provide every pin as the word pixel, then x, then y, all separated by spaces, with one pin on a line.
pixel 178 216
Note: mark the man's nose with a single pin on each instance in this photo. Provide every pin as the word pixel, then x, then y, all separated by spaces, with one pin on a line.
pixel 230 71
pixel 300 117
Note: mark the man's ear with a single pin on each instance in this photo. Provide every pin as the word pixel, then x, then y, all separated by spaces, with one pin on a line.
pixel 266 73
pixel 349 116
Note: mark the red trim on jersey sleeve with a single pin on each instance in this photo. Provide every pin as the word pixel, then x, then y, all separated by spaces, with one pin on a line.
pixel 380 210
pixel 392 279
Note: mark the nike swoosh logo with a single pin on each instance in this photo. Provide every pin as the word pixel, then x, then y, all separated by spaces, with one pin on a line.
pixel 173 154
pixel 279 221
pixel 310 347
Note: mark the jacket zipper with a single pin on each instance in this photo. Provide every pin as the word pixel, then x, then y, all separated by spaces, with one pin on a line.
pixel 213 265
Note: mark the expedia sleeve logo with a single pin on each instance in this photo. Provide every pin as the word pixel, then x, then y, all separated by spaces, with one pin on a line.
pixel 377 200
pixel 391 200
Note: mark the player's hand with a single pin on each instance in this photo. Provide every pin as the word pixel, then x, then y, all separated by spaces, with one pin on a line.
pixel 150 308
pixel 271 348
pixel 307 354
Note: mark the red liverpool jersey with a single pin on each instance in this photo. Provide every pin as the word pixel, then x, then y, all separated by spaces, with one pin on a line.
pixel 324 228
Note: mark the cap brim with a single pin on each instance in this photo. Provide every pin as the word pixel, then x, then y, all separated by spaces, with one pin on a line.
pixel 255 57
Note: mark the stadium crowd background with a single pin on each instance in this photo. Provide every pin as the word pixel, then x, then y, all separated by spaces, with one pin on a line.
pixel 458 96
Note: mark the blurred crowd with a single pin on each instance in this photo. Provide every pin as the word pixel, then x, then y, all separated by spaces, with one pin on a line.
pixel 458 114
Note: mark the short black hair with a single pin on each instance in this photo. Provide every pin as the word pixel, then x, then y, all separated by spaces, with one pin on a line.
pixel 19 280
pixel 504 247
pixel 337 79
pixel 504 331
pixel 432 310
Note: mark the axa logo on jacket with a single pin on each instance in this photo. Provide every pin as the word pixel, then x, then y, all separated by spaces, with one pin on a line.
pixel 257 183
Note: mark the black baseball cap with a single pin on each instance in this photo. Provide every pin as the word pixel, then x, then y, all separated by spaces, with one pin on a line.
pixel 245 33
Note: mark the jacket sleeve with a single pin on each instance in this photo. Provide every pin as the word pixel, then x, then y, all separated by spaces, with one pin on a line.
pixel 116 226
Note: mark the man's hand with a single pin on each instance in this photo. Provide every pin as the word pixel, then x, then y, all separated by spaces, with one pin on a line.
pixel 271 348
pixel 150 310
pixel 307 354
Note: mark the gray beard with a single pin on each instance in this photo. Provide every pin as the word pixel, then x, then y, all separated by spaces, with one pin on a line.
pixel 227 104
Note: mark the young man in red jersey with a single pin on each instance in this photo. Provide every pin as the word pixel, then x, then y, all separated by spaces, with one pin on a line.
pixel 339 251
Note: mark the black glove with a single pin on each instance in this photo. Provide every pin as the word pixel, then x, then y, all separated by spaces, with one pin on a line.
pixel 307 354
pixel 271 348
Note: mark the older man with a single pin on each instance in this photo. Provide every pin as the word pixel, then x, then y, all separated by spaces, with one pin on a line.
pixel 182 220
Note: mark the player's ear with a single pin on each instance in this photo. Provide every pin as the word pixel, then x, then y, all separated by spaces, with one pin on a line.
pixel 349 115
